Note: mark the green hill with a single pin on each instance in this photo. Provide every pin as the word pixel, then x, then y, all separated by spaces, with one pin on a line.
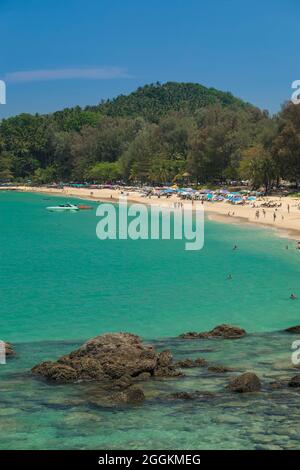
pixel 156 100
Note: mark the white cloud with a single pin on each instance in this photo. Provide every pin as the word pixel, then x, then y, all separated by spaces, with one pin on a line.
pixel 97 73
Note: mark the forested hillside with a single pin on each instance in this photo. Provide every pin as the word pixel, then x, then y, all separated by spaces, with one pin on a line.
pixel 157 134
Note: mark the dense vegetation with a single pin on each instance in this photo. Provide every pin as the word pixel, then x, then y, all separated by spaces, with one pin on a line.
pixel 158 134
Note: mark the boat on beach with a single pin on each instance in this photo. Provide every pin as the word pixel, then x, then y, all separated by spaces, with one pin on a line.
pixel 63 207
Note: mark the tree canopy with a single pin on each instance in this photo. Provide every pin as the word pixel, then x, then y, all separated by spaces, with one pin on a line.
pixel 155 135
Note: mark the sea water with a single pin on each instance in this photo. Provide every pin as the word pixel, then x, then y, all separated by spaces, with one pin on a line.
pixel 60 285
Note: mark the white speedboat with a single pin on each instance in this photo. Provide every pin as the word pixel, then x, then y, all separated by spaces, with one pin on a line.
pixel 63 207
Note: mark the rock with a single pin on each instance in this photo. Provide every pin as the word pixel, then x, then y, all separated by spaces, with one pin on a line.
pixel 277 385
pixel 56 372
pixel 247 382
pixel 190 395
pixel 165 358
pixel 167 372
pixel 142 377
pixel 220 331
pixel 123 382
pixel 114 358
pixel 131 396
pixel 219 369
pixel 295 381
pixel 293 329
pixel 189 363
pixel 190 335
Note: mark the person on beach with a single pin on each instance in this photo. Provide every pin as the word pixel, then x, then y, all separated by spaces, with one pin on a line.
pixel 288 208
pixel 274 217
pixel 264 213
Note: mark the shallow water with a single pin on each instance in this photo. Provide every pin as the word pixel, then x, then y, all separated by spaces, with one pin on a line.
pixel 58 281
pixel 60 285
pixel 37 415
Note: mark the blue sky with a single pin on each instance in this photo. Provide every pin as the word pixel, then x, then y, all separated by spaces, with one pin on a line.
pixel 58 53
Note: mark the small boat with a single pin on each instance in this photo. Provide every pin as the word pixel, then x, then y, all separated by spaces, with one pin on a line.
pixel 83 207
pixel 63 207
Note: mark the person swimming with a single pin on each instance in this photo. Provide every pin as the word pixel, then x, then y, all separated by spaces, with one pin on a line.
pixel 293 297
pixel 229 277
pixel 235 247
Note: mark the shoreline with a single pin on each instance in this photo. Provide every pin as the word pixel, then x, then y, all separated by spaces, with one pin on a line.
pixel 286 225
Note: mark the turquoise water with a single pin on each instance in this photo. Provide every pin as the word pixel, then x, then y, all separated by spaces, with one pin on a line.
pixel 60 285
pixel 58 281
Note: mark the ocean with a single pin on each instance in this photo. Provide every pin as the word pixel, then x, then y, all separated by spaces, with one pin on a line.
pixel 60 285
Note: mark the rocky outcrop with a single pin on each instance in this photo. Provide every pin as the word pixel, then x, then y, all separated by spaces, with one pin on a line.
pixel 295 381
pixel 221 331
pixel 116 359
pixel 293 329
pixel 189 363
pixel 247 382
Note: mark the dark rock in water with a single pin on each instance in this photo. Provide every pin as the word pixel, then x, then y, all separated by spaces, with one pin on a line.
pixel 189 363
pixel 195 395
pixel 9 351
pixel 190 335
pixel 277 385
pixel 142 377
pixel 167 372
pixel 220 331
pixel 131 396
pixel 114 358
pixel 219 369
pixel 56 372
pixel 123 382
pixel 165 358
pixel 293 329
pixel 247 382
pixel 103 398
pixel 295 381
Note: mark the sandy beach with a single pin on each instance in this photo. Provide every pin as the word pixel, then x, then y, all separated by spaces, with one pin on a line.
pixel 287 222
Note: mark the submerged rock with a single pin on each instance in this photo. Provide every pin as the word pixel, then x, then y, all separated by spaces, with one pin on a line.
pixel 189 363
pixel 114 358
pixel 293 329
pixel 131 396
pixel 167 372
pixel 295 381
pixel 247 382
pixel 221 331
pixel 218 369
pixel 195 395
